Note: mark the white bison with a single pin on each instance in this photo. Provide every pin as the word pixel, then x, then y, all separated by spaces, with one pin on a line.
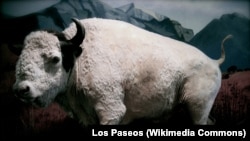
pixel 112 72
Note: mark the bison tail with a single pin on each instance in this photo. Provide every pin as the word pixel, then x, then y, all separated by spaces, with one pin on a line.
pixel 223 56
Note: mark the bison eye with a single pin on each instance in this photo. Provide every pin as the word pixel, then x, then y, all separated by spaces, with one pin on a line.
pixel 55 59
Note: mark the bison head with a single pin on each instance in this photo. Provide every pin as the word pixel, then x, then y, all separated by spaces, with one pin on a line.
pixel 44 65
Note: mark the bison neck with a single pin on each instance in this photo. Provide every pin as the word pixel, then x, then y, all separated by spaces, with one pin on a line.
pixel 76 103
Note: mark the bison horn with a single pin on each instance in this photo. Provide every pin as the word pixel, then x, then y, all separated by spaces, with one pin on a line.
pixel 80 33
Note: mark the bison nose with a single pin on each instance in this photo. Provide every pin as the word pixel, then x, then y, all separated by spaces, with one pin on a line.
pixel 22 90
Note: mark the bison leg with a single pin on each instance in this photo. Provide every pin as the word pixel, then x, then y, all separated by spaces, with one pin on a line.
pixel 110 107
pixel 199 96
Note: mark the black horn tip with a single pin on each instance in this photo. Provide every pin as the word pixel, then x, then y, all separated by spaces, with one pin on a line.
pixel 75 20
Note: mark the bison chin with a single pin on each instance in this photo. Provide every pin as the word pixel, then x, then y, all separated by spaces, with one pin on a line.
pixel 45 99
pixel 40 102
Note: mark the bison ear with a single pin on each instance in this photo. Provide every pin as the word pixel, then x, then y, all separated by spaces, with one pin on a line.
pixel 80 33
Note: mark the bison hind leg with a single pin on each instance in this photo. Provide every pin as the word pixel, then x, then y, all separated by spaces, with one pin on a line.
pixel 199 95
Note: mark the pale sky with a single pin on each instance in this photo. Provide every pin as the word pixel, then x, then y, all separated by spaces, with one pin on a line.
pixel 194 14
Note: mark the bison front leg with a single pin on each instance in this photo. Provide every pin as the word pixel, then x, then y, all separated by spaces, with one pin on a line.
pixel 110 107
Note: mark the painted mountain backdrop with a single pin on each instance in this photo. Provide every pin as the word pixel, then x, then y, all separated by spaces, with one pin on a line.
pixel 58 17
